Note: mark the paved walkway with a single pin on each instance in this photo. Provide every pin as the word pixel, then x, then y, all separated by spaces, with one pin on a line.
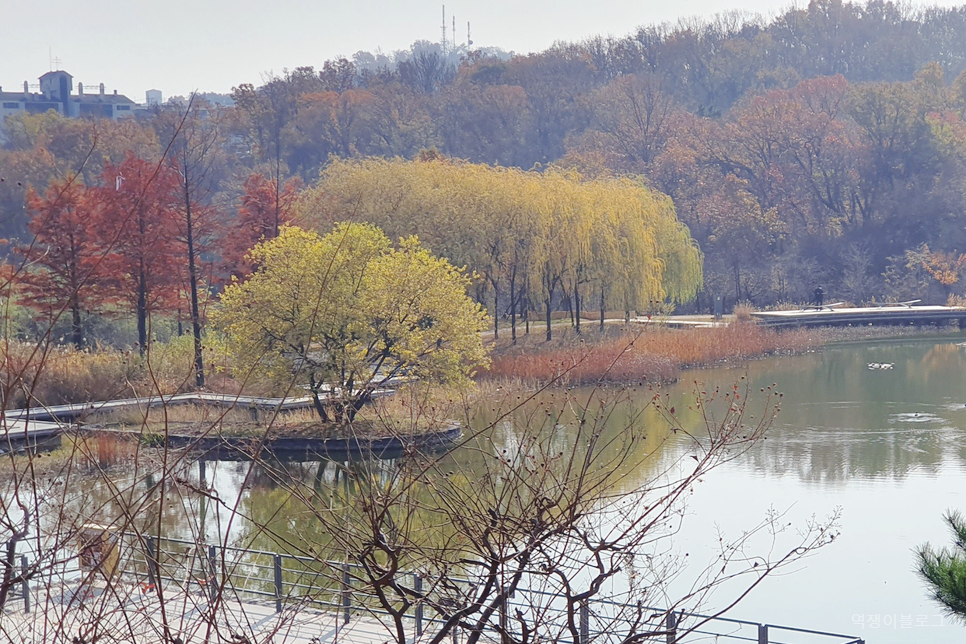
pixel 128 613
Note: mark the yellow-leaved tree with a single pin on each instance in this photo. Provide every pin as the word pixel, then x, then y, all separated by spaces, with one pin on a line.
pixel 345 313
pixel 540 239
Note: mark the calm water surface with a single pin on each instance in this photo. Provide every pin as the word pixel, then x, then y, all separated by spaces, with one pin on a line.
pixel 887 447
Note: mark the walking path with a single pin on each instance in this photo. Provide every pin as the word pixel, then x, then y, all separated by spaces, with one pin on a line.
pixel 127 612
pixel 834 315
pixel 19 427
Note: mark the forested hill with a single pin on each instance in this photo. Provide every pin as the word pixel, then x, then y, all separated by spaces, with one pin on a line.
pixel 825 146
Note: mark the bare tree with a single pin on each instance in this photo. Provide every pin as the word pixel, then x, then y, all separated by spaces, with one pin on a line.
pixel 545 511
pixel 195 151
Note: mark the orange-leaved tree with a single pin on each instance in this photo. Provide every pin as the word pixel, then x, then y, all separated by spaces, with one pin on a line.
pixel 264 207
pixel 61 259
pixel 136 221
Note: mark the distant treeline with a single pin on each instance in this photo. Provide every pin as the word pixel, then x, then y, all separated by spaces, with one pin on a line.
pixel 823 147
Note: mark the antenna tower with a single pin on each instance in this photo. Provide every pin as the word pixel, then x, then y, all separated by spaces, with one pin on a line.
pixel 469 41
pixel 443 42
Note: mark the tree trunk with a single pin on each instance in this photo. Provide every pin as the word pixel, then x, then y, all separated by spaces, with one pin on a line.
pixel 737 283
pixel 496 312
pixel 513 306
pixel 142 312
pixel 316 401
pixel 601 308
pixel 549 331
pixel 577 308
pixel 278 175
pixel 353 407
pixel 77 330
pixel 193 282
pixel 526 308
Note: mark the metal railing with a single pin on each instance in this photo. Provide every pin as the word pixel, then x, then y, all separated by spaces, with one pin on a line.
pixel 21 589
pixel 292 581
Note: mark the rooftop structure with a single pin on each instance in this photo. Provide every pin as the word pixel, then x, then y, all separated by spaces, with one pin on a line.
pixel 55 94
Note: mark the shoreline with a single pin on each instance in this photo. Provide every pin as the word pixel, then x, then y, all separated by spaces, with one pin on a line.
pixel 659 355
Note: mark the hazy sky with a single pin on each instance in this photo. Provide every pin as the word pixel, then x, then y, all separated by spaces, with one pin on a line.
pixel 210 45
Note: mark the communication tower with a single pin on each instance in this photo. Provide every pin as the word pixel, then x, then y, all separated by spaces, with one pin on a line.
pixel 443 41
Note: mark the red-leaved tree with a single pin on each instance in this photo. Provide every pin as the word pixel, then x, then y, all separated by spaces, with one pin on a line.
pixel 136 222
pixel 61 261
pixel 264 208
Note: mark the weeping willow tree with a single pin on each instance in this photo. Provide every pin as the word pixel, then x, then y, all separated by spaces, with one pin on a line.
pixel 536 238
pixel 641 253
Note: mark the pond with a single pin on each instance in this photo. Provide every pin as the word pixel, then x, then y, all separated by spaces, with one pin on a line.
pixel 885 446
pixel 888 447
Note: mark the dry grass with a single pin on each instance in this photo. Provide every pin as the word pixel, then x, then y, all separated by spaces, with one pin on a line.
pixel 651 354
pixel 60 375
pixel 181 413
pixel 386 416
pixel 743 311
pixel 110 450
pixel 416 406
pixel 63 375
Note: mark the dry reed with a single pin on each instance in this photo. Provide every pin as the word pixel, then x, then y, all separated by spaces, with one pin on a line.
pixel 109 450
pixel 58 375
pixel 651 355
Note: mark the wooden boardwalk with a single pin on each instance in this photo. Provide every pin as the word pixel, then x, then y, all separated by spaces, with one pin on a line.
pixel 21 427
pixel 832 315
pixel 77 410
pixel 15 434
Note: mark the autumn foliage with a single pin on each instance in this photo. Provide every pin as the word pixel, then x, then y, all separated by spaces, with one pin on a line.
pixel 534 238
pixel 63 257
pixel 345 314
pixel 823 146
pixel 136 221
pixel 264 207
